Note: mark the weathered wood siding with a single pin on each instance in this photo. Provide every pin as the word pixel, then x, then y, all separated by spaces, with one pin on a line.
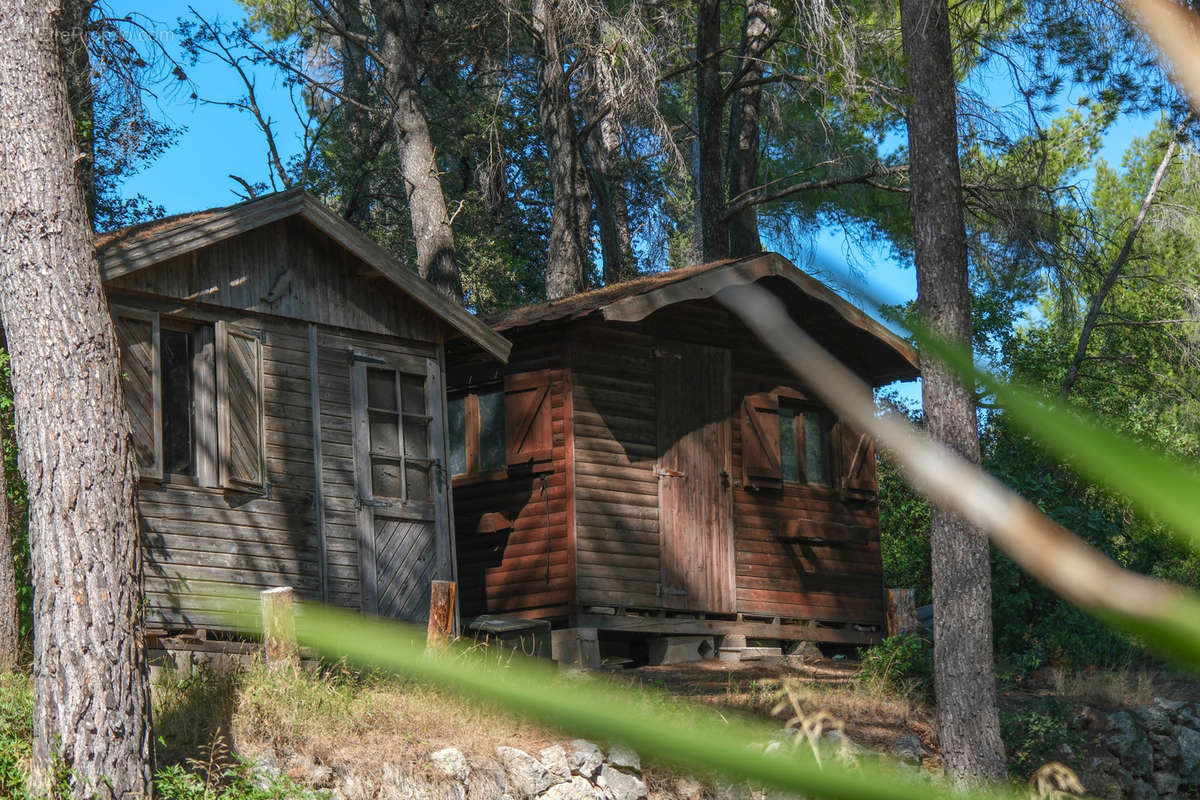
pixel 315 280
pixel 616 440
pixel 195 533
pixel 528 569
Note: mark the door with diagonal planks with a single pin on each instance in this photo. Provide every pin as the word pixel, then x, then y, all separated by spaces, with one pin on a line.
pixel 399 443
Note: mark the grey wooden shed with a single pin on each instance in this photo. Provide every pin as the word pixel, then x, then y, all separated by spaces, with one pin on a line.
pixel 284 378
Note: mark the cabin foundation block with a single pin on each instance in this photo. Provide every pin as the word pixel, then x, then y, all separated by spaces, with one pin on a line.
pixel 680 649
pixel 577 647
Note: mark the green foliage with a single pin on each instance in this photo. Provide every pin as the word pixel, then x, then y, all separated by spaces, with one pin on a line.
pixel 1033 735
pixel 18 502
pixel 900 665
pixel 234 779
pixel 16 732
pixel 904 534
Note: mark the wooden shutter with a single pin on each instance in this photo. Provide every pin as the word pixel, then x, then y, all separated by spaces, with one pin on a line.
pixel 141 380
pixel 240 408
pixel 528 434
pixel 856 459
pixel 762 464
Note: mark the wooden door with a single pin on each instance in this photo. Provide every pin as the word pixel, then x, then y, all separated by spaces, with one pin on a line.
pixel 695 510
pixel 400 477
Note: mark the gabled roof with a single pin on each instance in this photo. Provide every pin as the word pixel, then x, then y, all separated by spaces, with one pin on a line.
pixel 141 246
pixel 633 301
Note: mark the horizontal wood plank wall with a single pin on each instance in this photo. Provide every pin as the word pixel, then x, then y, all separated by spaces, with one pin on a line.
pixel 337 455
pixel 289 270
pixel 255 542
pixel 506 572
pixel 616 494
pixel 802 552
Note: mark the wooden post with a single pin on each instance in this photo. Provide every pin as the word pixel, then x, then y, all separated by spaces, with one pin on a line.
pixel 279 627
pixel 902 612
pixel 441 613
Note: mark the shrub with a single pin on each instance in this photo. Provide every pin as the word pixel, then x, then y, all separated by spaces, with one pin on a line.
pixel 899 664
pixel 16 732
pixel 1034 736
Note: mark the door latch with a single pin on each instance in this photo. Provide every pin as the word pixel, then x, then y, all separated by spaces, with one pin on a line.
pixel 663 472
pixel 364 502
pixel 724 479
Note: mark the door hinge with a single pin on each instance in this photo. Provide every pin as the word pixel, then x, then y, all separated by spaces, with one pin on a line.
pixel 663 472
pixel 669 591
pixel 363 502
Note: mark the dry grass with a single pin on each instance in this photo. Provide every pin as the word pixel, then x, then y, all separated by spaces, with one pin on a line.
pixel 1128 686
pixel 330 716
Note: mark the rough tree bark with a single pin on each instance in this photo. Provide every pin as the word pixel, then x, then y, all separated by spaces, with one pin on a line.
pixel 570 220
pixel 398 23
pixel 712 232
pixel 968 726
pixel 743 123
pixel 608 185
pixel 90 677
pixel 1114 272
pixel 10 621
pixel 73 26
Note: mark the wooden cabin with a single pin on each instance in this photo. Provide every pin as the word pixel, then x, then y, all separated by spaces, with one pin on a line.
pixel 284 378
pixel 643 463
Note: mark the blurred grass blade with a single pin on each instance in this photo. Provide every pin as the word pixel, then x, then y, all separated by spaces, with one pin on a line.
pixel 1174 30
pixel 658 726
pixel 1157 486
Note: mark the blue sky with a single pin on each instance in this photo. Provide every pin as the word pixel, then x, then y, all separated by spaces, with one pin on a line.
pixel 219 141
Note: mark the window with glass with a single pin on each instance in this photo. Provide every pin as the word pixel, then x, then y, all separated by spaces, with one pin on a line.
pixel 477 432
pixel 804 444
pixel 399 435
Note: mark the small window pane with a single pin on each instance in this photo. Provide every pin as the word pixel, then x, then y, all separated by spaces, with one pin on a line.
pixel 416 437
pixel 417 475
pixel 458 435
pixel 385 438
pixel 816 447
pixel 491 431
pixel 787 444
pixel 412 393
pixel 381 389
pixel 178 403
pixel 385 478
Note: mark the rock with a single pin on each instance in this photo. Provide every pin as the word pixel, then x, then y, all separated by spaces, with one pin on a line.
pixel 1155 719
pixel 555 759
pixel 1172 707
pixel 1189 716
pixel 452 762
pixel 1128 743
pixel 619 785
pixel 623 757
pixel 805 653
pixel 527 777
pixel 585 758
pixel 1140 790
pixel 265 770
pixel 1166 750
pixel 487 782
pixel 909 749
pixel 1188 741
pixel 1166 783
pixel 575 789
pixel 688 788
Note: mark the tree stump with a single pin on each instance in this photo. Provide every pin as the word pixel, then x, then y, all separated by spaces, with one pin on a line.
pixel 279 627
pixel 441 614
pixel 902 612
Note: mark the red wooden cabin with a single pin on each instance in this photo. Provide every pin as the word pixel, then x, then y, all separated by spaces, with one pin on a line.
pixel 643 463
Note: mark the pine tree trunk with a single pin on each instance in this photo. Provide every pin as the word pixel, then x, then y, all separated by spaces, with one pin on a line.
pixel 570 221
pixel 10 621
pixel 712 233
pixel 608 185
pixel 78 66
pixel 968 726
pixel 356 87
pixel 744 124
pixel 434 238
pixel 90 680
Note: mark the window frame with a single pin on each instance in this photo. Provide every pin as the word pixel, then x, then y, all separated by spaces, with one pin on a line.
pixel 472 433
pixel 800 410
